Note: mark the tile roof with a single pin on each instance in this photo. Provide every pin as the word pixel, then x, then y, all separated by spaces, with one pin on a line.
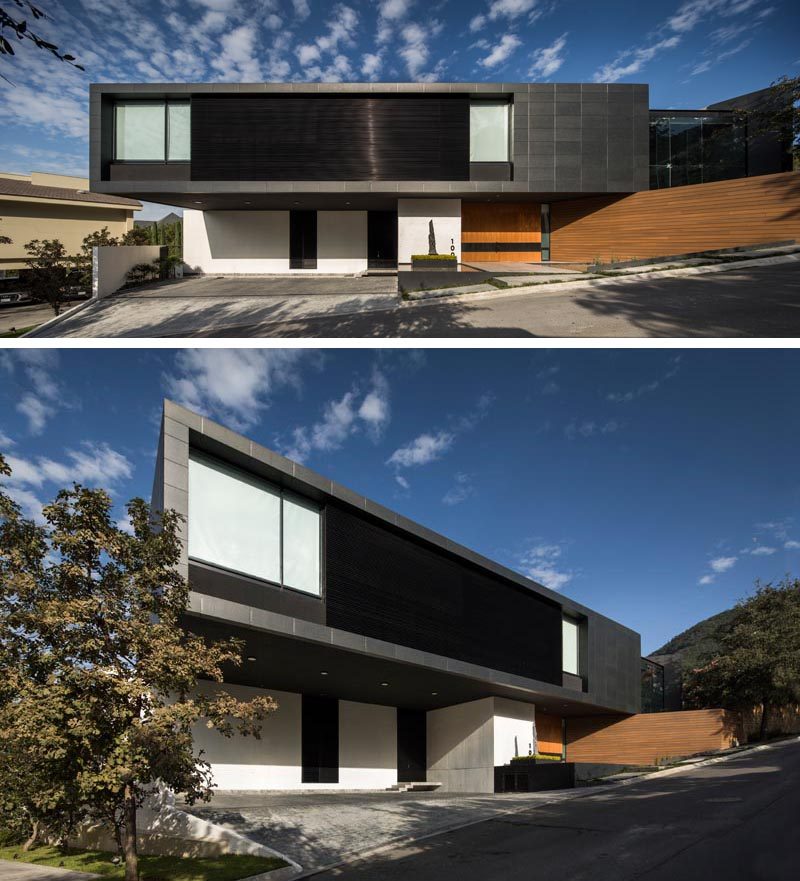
pixel 9 187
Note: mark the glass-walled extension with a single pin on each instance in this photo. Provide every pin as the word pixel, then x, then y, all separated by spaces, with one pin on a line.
pixel 695 147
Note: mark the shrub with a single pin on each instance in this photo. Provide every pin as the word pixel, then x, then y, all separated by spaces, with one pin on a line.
pixel 424 257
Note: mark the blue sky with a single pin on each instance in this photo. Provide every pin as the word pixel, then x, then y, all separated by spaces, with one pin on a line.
pixel 692 53
pixel 654 486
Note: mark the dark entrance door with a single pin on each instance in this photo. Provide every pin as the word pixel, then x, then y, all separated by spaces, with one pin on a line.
pixel 302 240
pixel 412 746
pixel 382 239
pixel 320 739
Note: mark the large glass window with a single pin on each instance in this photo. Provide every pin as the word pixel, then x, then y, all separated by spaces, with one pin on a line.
pixel 240 522
pixel 152 131
pixel 488 131
pixel 686 149
pixel 570 632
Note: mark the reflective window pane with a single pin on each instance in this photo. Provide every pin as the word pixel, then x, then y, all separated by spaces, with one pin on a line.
pixel 178 132
pixel 140 131
pixel 234 519
pixel 301 525
pixel 569 641
pixel 488 131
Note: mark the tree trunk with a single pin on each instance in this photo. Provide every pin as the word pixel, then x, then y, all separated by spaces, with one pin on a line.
pixel 762 729
pixel 131 855
pixel 34 837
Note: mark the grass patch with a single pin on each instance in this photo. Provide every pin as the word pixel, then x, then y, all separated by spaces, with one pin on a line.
pixel 16 332
pixel 151 868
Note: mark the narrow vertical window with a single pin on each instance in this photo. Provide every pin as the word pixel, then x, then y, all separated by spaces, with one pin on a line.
pixel 545 231
pixel 300 546
pixel 570 630
pixel 488 131
pixel 178 132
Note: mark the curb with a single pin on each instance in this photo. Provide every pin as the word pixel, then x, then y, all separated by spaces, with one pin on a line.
pixel 552 288
pixel 57 319
pixel 563 795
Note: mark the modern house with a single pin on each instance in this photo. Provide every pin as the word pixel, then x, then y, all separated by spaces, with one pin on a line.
pixel 395 654
pixel 54 206
pixel 347 177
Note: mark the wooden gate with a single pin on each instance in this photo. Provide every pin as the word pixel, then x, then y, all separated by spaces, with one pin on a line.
pixel 501 232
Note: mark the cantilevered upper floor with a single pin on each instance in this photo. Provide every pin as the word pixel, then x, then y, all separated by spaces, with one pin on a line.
pixel 264 145
pixel 319 581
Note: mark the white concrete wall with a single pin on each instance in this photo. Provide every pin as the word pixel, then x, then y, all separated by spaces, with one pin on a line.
pixel 273 762
pixel 111 263
pixel 236 242
pixel 342 241
pixel 413 216
pixel 461 747
pixel 513 729
pixel 367 746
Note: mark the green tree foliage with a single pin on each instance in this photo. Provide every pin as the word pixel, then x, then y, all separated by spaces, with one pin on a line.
pixel 136 235
pixel 758 660
pixel 83 261
pixel 99 700
pixel 14 25
pixel 778 112
pixel 5 240
pixel 49 269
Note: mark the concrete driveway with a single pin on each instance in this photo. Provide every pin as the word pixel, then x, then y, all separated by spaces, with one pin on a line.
pixel 320 828
pixel 16 871
pixel 736 820
pixel 211 305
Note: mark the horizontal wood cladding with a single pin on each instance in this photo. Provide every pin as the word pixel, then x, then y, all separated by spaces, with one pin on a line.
pixel 549 732
pixel 656 223
pixel 330 137
pixel 502 231
pixel 646 738
pixel 386 586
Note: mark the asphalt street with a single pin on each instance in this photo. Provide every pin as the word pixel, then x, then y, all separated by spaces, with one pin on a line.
pixel 737 820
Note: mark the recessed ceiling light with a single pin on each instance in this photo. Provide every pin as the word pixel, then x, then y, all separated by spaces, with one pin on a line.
pixel 323 672
pixel 198 203
pixel 384 684
pixel 251 657
pixel 434 693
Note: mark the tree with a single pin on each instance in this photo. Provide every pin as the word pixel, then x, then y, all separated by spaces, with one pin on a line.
pixel 136 235
pixel 16 25
pixel 83 261
pixel 90 617
pixel 49 269
pixel 5 240
pixel 777 113
pixel 758 661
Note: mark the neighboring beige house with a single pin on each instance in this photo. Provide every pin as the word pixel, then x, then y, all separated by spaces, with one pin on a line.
pixel 54 206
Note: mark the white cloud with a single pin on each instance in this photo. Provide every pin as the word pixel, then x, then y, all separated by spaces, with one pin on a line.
pixel 306 53
pixel 233 385
pixel 706 579
pixel 238 60
pixel 621 67
pixel 549 59
pixel 477 23
pixel 402 481
pixel 394 9
pixel 371 63
pixel 648 387
pixel 422 450
pixel 343 418
pixel 510 8
pixel 125 524
pixel 5 440
pixel 46 396
pixel 763 551
pixel 301 8
pixel 415 52
pixel 502 51
pixel 541 564
pixel 341 30
pixel 374 409
pixel 92 464
pixel 461 490
pixel 792 545
pixel 722 564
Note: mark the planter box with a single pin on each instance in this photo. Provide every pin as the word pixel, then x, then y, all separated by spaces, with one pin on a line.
pixel 420 279
pixel 434 263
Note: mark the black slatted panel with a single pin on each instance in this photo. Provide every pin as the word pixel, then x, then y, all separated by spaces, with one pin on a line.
pixel 383 585
pixel 330 137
